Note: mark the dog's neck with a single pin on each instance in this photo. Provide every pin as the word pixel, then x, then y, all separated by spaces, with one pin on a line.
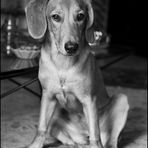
pixel 63 62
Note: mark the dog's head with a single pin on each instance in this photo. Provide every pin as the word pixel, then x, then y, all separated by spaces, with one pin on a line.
pixel 68 22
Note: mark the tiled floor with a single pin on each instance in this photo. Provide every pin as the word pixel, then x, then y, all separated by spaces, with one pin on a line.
pixel 23 106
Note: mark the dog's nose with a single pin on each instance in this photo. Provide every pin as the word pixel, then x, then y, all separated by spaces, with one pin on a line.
pixel 71 47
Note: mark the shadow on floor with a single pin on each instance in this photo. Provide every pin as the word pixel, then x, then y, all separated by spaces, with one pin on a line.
pixel 135 127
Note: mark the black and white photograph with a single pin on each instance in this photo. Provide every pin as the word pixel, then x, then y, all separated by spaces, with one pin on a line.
pixel 73 74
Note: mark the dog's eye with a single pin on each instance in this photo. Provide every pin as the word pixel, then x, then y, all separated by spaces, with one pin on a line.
pixel 80 17
pixel 56 17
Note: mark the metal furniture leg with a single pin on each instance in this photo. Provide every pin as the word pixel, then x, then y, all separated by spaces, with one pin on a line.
pixel 19 87
pixel 28 89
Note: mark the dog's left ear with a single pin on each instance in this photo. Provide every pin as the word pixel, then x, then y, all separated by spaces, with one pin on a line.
pixel 89 32
pixel 36 18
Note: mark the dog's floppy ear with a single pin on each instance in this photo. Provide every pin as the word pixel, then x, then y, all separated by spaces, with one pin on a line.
pixel 36 19
pixel 89 32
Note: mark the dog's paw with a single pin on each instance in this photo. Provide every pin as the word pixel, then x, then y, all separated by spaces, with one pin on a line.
pixel 87 146
pixel 32 146
pixel 95 146
pixel 81 146
pixel 35 145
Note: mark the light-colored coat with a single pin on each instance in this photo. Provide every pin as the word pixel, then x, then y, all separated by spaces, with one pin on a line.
pixel 73 88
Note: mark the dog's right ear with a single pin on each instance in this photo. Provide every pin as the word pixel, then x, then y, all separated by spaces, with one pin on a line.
pixel 89 32
pixel 36 19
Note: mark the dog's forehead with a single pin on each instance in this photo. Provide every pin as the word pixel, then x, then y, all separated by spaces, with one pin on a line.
pixel 72 3
pixel 68 4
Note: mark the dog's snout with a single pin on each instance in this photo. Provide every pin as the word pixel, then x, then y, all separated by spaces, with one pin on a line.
pixel 71 47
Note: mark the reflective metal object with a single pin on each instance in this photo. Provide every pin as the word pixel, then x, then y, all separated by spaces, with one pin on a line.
pixel 9 27
pixel 98 37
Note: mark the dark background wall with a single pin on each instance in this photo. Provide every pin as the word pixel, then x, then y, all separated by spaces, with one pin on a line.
pixel 127 23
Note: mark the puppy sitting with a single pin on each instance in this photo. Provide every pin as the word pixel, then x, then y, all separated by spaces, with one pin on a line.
pixel 75 107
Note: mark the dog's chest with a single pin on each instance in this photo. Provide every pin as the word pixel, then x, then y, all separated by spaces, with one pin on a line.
pixel 63 93
pixel 66 95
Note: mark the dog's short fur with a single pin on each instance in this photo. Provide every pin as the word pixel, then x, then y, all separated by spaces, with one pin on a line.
pixel 75 107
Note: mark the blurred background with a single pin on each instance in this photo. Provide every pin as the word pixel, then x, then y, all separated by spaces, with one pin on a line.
pixel 122 55
pixel 124 21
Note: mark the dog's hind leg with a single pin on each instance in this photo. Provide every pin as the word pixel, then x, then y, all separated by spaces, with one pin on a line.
pixel 69 132
pixel 64 138
pixel 60 133
pixel 113 120
pixel 70 135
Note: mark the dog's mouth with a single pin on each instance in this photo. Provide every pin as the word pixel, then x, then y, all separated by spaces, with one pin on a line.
pixel 70 55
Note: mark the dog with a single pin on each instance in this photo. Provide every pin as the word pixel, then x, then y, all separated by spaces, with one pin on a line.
pixel 75 107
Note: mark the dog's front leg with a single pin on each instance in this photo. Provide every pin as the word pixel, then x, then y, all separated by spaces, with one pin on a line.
pixel 46 111
pixel 91 114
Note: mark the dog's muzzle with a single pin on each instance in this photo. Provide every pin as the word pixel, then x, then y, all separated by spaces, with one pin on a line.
pixel 71 47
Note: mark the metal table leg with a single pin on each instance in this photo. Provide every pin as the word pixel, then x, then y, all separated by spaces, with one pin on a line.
pixel 28 89
pixel 19 87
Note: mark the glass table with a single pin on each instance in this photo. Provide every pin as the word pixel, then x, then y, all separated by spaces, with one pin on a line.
pixel 12 67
